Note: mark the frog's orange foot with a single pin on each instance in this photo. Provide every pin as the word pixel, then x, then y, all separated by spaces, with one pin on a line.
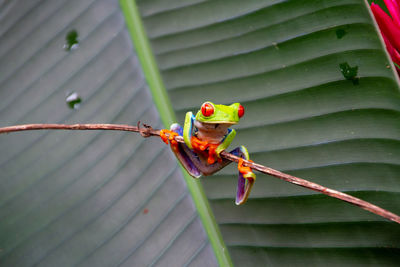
pixel 198 144
pixel 167 135
pixel 163 135
pixel 245 171
pixel 212 154
pixel 207 149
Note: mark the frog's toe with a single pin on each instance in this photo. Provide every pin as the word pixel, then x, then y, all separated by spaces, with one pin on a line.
pixel 163 135
pixel 168 135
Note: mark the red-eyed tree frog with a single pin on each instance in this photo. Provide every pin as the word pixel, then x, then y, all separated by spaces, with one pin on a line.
pixel 206 135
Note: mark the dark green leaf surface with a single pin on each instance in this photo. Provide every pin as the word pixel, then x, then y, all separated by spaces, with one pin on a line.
pixel 281 60
pixel 91 198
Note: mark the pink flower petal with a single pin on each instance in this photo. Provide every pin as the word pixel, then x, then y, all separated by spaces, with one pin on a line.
pixel 396 58
pixel 393 53
pixel 387 26
pixel 394 11
pixel 389 47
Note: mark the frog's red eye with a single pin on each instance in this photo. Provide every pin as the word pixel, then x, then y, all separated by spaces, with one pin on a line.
pixel 240 111
pixel 207 109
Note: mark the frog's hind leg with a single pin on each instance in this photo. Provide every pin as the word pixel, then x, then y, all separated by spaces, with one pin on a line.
pixel 246 176
pixel 186 156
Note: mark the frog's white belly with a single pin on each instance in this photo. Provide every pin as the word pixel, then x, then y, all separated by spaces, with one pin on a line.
pixel 210 132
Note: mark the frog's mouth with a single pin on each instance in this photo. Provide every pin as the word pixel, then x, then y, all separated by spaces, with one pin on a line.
pixel 214 126
pixel 217 124
pixel 221 122
pixel 213 132
pixel 222 125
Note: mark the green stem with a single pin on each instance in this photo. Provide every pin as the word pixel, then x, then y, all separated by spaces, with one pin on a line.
pixel 161 99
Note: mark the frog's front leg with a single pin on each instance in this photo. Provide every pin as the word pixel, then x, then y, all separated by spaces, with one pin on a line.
pixel 196 164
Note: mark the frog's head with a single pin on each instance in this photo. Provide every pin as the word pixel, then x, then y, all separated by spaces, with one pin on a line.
pixel 211 113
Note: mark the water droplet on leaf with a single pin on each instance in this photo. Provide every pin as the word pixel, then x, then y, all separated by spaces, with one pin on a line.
pixel 72 40
pixel 73 100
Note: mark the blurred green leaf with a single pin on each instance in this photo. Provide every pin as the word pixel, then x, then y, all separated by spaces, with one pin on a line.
pixel 87 198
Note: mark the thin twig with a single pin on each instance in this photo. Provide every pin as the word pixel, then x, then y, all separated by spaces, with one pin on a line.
pixel 147 131
pixel 89 126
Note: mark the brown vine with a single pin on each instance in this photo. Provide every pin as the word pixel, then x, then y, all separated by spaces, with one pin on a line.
pixel 147 131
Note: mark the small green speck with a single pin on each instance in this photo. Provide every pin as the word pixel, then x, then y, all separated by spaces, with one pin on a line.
pixel 72 40
pixel 340 33
pixel 73 100
pixel 350 73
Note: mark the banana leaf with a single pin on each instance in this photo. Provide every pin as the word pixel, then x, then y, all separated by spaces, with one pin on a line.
pixel 85 198
pixel 322 102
